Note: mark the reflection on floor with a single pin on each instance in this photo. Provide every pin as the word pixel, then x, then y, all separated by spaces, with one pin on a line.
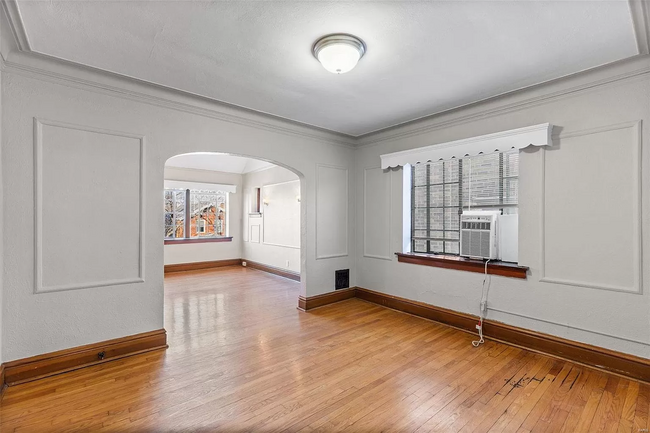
pixel 242 358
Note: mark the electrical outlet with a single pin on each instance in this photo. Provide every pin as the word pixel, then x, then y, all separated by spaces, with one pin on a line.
pixel 243 263
pixel 484 307
pixel 287 263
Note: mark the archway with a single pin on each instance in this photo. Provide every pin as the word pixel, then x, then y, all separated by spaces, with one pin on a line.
pixel 222 209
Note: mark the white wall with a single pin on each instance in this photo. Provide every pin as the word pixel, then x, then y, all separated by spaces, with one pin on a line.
pixel 204 252
pixel 273 238
pixel 1 212
pixel 579 208
pixel 169 124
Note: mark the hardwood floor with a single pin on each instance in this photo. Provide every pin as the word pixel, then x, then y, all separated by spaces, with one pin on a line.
pixel 241 357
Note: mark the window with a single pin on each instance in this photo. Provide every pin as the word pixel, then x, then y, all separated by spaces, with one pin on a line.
pixel 174 213
pixel 442 190
pixel 192 214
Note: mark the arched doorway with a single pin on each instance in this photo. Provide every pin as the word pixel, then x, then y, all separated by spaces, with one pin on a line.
pixel 223 210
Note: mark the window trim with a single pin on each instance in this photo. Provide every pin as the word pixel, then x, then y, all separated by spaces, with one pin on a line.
pixel 187 239
pixel 179 241
pixel 494 267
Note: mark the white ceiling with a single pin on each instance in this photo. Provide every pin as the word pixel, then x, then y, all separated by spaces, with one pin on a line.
pixel 423 57
pixel 218 162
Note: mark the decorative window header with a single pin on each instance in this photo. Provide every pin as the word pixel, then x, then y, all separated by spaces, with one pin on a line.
pixel 536 135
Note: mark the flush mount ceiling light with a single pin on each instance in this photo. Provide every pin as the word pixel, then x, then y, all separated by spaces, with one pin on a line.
pixel 339 53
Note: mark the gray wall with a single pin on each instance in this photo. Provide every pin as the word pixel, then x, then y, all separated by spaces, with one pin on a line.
pixel 273 238
pixel 581 210
pixel 89 122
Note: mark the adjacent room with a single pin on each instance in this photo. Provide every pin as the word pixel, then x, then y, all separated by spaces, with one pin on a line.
pixel 290 216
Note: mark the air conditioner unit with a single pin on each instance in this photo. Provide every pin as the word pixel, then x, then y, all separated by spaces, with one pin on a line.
pixel 478 234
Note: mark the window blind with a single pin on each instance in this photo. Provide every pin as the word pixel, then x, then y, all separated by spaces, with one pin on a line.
pixel 442 190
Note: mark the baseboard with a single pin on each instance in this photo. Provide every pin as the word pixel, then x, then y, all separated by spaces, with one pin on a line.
pixel 179 267
pixel 312 302
pixel 591 356
pixel 49 364
pixel 272 270
pixel 2 380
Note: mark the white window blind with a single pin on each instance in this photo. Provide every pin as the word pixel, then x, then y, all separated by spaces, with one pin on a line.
pixel 442 190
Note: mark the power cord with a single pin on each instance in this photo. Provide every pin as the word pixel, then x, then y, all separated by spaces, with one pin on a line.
pixel 483 307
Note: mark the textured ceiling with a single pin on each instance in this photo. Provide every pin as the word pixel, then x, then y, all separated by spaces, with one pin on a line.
pixel 217 162
pixel 423 56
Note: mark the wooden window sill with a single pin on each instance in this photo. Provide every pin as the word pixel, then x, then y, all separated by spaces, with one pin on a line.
pixel 197 240
pixel 503 269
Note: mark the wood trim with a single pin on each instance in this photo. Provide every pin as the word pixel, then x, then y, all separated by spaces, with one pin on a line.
pixel 591 356
pixel 272 270
pixel 182 241
pixel 305 304
pixel 464 264
pixel 179 267
pixel 3 385
pixel 49 364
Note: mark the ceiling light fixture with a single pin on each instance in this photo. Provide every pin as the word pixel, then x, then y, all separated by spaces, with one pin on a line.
pixel 339 53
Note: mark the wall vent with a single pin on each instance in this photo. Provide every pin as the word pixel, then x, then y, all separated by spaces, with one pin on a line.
pixel 341 279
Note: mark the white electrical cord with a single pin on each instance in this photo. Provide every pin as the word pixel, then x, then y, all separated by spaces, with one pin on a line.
pixel 482 308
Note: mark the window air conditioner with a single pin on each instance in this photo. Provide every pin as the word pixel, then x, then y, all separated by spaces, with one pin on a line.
pixel 478 234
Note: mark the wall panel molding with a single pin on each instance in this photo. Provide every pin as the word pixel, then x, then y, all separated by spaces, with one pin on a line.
pixel 39 287
pixel 637 247
pixel 388 209
pixel 254 236
pixel 265 220
pixel 323 204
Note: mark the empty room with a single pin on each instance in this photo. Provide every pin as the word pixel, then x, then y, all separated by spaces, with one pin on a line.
pixel 299 216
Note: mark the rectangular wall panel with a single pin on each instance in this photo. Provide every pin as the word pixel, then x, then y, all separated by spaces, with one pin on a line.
pixel 89 207
pixel 591 221
pixel 255 234
pixel 331 212
pixel 281 217
pixel 376 213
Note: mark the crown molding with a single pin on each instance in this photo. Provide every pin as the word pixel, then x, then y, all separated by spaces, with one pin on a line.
pixel 162 96
pixel 543 93
pixel 23 60
pixel 16 24
pixel 641 22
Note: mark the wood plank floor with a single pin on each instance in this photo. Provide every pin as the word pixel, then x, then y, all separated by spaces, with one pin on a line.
pixel 242 358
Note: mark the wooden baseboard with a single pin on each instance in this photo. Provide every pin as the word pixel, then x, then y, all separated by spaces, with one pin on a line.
pixel 2 380
pixel 591 356
pixel 272 270
pixel 179 267
pixel 49 364
pixel 312 302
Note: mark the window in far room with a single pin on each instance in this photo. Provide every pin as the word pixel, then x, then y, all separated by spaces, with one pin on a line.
pixel 195 214
pixel 441 191
pixel 174 213
pixel 207 214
